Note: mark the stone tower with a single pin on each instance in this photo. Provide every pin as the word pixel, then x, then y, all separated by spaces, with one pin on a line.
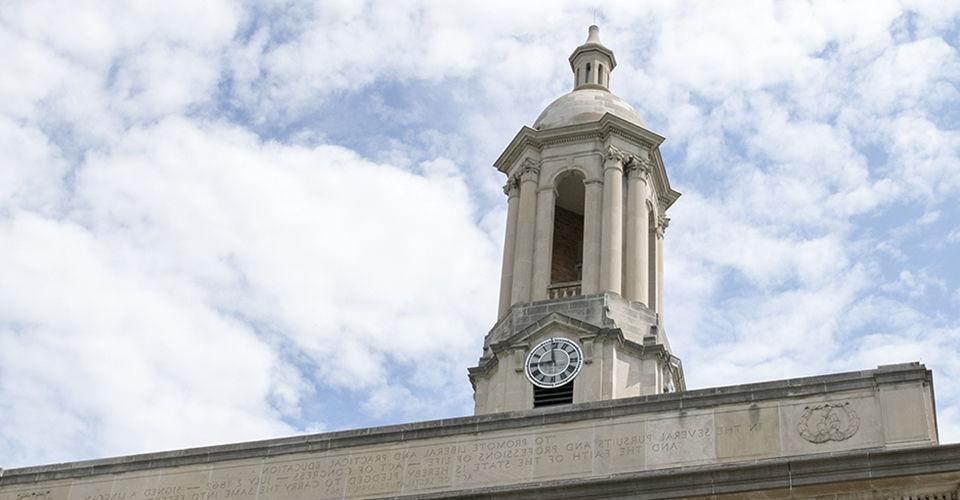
pixel 587 195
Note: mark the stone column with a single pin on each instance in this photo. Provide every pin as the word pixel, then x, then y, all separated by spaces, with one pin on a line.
pixel 523 259
pixel 543 242
pixel 611 245
pixel 592 217
pixel 635 254
pixel 512 190
pixel 662 224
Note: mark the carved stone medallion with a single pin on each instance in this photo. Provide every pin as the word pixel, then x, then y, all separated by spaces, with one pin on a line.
pixel 828 422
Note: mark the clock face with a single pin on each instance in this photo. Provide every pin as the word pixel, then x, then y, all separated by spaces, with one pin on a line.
pixel 553 362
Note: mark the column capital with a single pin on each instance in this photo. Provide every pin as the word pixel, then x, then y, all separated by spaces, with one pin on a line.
pixel 663 222
pixel 590 182
pixel 529 170
pixel 613 158
pixel 512 187
pixel 637 168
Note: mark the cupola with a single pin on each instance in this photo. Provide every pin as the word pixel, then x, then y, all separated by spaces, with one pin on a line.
pixel 592 63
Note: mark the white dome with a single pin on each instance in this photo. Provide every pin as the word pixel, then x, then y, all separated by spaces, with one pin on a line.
pixel 584 106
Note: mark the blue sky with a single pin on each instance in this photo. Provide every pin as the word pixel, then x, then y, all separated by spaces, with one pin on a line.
pixel 227 221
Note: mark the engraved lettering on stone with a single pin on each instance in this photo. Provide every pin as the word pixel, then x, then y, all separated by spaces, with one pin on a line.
pixel 828 422
pixel 34 495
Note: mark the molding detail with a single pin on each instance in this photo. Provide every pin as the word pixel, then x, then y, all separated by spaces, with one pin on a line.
pixel 512 187
pixel 635 166
pixel 529 170
pixel 663 222
pixel 615 154
pixel 828 422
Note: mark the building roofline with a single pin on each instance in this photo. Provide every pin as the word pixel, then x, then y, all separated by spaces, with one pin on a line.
pixel 677 401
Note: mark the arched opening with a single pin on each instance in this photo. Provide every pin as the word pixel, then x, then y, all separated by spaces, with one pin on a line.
pixel 652 259
pixel 566 264
pixel 586 78
pixel 600 74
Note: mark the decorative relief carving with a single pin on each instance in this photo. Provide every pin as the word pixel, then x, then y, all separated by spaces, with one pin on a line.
pixel 529 170
pixel 635 166
pixel 512 187
pixel 828 422
pixel 614 154
pixel 663 222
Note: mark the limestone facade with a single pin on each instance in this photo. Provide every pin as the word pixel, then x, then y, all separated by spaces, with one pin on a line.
pixel 617 201
pixel 849 435
pixel 623 355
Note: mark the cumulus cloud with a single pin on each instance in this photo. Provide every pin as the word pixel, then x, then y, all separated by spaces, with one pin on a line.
pixel 202 254
pixel 228 221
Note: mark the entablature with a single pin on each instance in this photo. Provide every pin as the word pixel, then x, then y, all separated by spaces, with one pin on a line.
pixel 531 143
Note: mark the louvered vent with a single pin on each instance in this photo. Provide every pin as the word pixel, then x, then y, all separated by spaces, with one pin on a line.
pixel 562 395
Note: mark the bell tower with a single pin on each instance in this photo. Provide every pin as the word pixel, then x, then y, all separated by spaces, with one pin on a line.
pixel 581 288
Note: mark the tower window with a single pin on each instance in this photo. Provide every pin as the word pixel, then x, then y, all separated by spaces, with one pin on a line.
pixel 566 260
pixel 562 395
pixel 600 74
pixel 587 78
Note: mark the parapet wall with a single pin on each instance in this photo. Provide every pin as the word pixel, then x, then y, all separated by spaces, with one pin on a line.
pixel 888 408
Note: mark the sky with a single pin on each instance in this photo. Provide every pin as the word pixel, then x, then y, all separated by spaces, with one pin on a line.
pixel 224 221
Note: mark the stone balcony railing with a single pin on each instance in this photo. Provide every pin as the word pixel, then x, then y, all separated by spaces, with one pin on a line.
pixel 563 290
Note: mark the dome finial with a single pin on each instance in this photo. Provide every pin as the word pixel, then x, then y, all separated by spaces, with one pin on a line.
pixel 593 34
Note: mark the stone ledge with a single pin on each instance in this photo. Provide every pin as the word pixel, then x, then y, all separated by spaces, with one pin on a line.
pixel 867 469
pixel 678 402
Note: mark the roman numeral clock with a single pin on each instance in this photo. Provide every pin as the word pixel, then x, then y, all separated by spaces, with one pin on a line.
pixel 553 363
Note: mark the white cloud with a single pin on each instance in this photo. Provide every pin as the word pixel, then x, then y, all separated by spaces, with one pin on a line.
pixel 95 357
pixel 915 284
pixel 148 231
pixel 195 249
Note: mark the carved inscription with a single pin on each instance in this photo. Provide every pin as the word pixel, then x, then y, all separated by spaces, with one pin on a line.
pixel 34 495
pixel 508 457
pixel 828 422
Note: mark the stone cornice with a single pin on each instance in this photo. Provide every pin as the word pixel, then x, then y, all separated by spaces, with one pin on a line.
pixel 671 402
pixel 862 471
pixel 599 130
pixel 668 195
